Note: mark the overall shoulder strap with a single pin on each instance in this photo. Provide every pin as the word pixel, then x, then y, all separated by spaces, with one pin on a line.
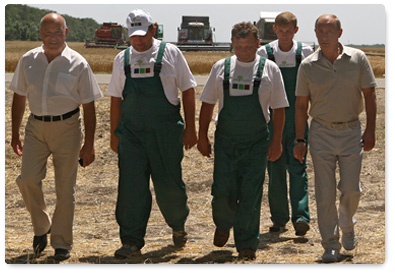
pixel 259 72
pixel 226 73
pixel 299 54
pixel 269 51
pixel 158 63
pixel 126 65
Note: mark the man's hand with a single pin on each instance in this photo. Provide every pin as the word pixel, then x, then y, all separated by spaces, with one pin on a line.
pixel 16 145
pixel 87 154
pixel 300 151
pixel 204 146
pixel 189 137
pixel 275 150
pixel 369 140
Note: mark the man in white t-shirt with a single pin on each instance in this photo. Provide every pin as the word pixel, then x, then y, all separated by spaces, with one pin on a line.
pixel 288 54
pixel 245 86
pixel 56 80
pixel 148 132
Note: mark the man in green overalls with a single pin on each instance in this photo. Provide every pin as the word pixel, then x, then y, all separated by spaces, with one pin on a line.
pixel 245 85
pixel 288 54
pixel 148 132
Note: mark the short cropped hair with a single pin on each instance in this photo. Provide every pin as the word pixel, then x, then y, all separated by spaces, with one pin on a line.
pixel 337 21
pixel 243 29
pixel 286 17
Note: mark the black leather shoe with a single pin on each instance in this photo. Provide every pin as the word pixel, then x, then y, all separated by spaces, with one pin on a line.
pixel 39 243
pixel 62 254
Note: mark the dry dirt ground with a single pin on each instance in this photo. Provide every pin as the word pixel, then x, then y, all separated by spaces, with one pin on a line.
pixel 96 231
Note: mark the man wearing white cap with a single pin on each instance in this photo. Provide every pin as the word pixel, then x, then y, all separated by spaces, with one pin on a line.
pixel 148 132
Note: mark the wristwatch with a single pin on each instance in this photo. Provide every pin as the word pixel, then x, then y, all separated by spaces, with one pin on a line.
pixel 298 140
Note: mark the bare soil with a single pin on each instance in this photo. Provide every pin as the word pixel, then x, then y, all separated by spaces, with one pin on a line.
pixel 96 233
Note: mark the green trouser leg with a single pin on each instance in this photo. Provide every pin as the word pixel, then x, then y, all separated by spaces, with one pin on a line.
pixel 298 185
pixel 277 190
pixel 139 158
pixel 237 191
pixel 134 196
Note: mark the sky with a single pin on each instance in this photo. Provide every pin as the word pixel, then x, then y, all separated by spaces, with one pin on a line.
pixel 362 23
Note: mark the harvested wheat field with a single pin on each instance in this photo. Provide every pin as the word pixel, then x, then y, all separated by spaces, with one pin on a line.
pixel 96 231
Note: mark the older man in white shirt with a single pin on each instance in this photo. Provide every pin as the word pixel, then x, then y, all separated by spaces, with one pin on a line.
pixel 56 80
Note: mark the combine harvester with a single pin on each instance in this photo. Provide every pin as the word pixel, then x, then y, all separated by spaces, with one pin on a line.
pixel 265 26
pixel 108 35
pixel 195 34
pixel 113 35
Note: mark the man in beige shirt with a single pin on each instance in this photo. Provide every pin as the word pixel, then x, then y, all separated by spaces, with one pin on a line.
pixel 56 80
pixel 334 80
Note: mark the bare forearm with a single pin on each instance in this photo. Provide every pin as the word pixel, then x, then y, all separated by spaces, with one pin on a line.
pixel 188 101
pixel 89 123
pixel 301 116
pixel 278 124
pixel 206 114
pixel 17 111
pixel 371 110
pixel 115 113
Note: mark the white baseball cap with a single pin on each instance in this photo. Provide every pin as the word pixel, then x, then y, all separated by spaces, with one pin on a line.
pixel 138 22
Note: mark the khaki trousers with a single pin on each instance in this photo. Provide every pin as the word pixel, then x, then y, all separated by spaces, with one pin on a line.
pixel 329 147
pixel 62 139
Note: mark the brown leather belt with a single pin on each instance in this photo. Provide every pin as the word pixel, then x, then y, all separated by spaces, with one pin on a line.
pixel 57 118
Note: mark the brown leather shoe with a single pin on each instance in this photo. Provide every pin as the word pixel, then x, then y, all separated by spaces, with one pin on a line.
pixel 220 238
pixel 301 228
pixel 247 254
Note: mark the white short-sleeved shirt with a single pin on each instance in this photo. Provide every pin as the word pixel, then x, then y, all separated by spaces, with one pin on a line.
pixel 57 87
pixel 285 59
pixel 175 73
pixel 271 90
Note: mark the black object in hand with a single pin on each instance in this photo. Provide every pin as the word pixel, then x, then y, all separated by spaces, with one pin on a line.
pixel 81 161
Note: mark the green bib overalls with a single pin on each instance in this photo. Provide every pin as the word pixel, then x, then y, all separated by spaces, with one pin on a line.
pixel 150 145
pixel 277 170
pixel 241 145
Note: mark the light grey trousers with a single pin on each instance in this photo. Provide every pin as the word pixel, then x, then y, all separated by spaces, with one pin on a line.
pixel 329 147
pixel 62 139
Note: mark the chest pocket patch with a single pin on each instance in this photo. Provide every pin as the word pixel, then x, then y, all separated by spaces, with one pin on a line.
pixel 240 88
pixel 142 70
pixel 64 84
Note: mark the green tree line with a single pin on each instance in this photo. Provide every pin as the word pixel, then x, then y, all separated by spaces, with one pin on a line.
pixel 22 23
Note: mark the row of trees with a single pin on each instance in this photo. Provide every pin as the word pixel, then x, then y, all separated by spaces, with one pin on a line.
pixel 22 23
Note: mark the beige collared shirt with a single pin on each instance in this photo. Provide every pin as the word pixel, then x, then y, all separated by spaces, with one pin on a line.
pixel 57 87
pixel 335 90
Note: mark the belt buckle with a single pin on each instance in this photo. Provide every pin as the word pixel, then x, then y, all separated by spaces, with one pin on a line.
pixel 337 125
pixel 47 118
